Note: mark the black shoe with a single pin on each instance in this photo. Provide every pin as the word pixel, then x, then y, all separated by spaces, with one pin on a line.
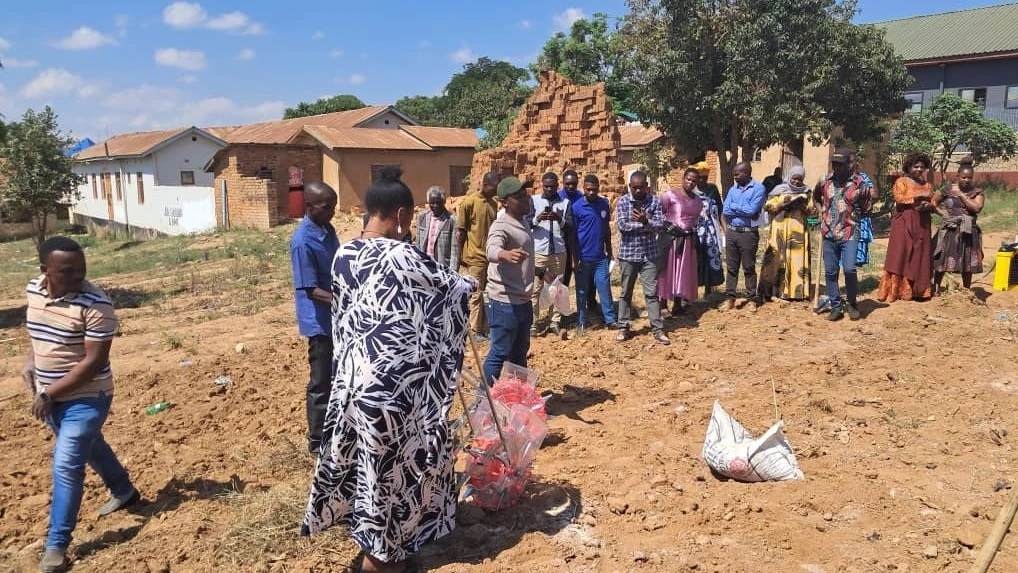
pixel 853 311
pixel 617 326
pixel 836 314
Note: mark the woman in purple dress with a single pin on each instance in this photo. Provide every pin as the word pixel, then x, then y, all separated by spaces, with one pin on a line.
pixel 681 209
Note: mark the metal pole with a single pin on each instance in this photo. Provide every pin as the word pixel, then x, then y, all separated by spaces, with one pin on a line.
pixel 226 211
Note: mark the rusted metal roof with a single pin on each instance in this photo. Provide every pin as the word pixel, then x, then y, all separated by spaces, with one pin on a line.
pixel 283 130
pixel 987 30
pixel 443 136
pixel 364 138
pixel 638 135
pixel 129 144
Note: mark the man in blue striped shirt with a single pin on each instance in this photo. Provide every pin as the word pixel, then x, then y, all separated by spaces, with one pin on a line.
pixel 638 215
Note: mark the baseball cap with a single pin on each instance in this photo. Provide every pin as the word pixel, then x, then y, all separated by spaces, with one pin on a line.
pixel 841 155
pixel 511 186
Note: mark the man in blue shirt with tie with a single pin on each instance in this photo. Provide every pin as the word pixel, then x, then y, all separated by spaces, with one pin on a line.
pixel 742 207
pixel 312 248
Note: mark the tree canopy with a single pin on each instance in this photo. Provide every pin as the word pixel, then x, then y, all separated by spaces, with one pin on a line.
pixel 342 102
pixel 735 75
pixel 949 125
pixel 486 94
pixel 35 174
pixel 590 53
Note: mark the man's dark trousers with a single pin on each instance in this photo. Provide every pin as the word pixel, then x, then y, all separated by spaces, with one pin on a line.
pixel 740 248
pixel 319 388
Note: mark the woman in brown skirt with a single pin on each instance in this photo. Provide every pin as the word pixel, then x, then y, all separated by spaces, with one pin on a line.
pixel 907 268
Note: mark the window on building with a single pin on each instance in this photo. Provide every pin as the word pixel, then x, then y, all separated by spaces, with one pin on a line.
pixel 187 177
pixel 141 187
pixel 376 170
pixel 1011 99
pixel 458 180
pixel 95 187
pixel 974 95
pixel 116 184
pixel 915 102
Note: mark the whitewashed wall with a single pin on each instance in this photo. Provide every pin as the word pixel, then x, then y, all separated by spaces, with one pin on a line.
pixel 168 207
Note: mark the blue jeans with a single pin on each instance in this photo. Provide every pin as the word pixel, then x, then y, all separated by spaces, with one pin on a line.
pixel 841 255
pixel 509 331
pixel 79 441
pixel 598 270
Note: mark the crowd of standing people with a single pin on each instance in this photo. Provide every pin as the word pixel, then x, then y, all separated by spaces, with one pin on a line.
pixel 387 317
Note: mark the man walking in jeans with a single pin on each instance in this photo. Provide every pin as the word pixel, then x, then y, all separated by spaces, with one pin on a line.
pixel 72 325
pixel 638 215
pixel 844 198
pixel 312 248
pixel 742 207
pixel 510 252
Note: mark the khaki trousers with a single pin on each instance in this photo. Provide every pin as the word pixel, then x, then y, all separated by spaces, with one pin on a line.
pixel 555 264
pixel 478 316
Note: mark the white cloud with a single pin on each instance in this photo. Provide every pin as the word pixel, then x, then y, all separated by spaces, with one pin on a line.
pixel 319 35
pixel 188 79
pixel 187 15
pixel 191 60
pixel 121 23
pixel 336 54
pixel 149 106
pixel 184 15
pixel 246 54
pixel 526 24
pixel 566 19
pixel 58 81
pixel 463 55
pixel 16 63
pixel 85 38
pixel 4 44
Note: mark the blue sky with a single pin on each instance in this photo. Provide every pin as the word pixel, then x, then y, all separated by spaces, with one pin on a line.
pixel 114 66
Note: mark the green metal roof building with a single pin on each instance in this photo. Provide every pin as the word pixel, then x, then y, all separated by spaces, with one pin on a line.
pixel 973 53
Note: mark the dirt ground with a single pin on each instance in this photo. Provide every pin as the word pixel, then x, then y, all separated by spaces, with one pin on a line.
pixel 903 422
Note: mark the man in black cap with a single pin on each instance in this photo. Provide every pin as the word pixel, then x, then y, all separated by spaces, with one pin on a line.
pixel 843 199
pixel 510 254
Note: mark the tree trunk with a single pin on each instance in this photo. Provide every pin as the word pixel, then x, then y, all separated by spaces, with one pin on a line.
pixel 40 224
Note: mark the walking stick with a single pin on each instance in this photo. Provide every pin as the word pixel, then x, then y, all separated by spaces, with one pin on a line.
pixel 992 543
pixel 815 258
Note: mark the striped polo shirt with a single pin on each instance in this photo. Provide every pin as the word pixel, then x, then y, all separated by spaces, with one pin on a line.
pixel 59 328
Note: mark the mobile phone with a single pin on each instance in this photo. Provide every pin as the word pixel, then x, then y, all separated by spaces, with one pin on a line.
pixel 547 208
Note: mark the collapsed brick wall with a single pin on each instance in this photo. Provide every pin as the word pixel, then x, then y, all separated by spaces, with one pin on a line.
pixel 254 202
pixel 562 126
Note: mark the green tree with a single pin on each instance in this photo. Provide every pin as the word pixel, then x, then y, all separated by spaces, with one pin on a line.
pixel 948 125
pixel 427 110
pixel 736 75
pixel 35 174
pixel 486 94
pixel 590 53
pixel 343 102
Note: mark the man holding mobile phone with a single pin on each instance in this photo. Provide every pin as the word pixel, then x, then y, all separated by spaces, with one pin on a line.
pixel 552 221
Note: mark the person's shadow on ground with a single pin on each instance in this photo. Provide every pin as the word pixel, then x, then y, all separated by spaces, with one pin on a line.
pixel 574 399
pixel 170 497
pixel 546 508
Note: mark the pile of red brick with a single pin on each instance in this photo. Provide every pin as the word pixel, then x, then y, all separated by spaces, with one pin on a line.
pixel 562 126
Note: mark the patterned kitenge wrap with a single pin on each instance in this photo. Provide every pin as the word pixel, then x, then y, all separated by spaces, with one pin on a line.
pixel 386 465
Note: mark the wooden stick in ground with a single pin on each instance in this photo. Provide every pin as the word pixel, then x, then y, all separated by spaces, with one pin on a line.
pixel 992 543
pixel 817 253
pixel 774 395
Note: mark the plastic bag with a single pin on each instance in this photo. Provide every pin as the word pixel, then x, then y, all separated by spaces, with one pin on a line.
pixel 545 299
pixel 559 294
pixel 731 451
pixel 497 477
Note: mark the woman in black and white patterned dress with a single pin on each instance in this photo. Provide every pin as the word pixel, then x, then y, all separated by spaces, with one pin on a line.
pixel 399 319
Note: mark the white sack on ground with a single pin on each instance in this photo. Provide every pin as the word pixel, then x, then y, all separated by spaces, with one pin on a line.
pixel 732 452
